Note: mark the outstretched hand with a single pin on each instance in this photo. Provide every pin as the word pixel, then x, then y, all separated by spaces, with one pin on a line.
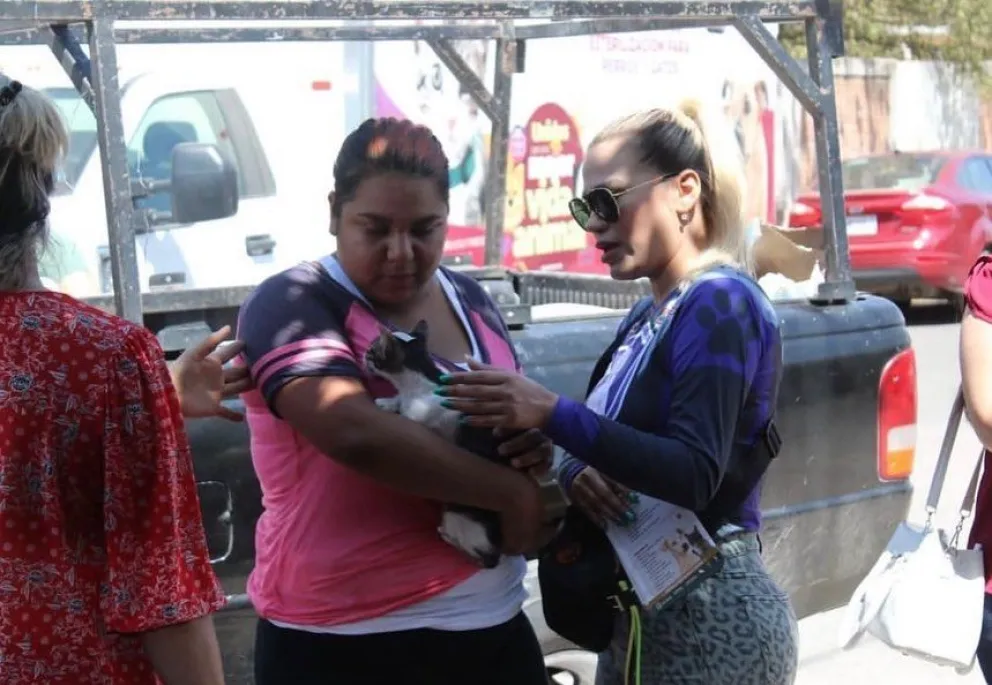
pixel 202 381
pixel 491 397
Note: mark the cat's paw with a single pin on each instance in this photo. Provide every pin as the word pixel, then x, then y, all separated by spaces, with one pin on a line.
pixel 390 404
pixel 470 536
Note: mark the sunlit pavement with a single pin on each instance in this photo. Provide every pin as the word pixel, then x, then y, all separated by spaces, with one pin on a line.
pixel 871 662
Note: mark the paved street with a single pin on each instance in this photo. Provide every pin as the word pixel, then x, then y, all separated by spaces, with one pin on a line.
pixel 935 340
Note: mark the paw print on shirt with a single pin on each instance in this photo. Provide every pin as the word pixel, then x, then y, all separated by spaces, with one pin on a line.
pixel 728 320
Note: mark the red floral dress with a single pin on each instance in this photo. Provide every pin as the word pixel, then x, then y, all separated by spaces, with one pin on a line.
pixel 100 528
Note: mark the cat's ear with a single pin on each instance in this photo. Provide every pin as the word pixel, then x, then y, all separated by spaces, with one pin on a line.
pixel 420 330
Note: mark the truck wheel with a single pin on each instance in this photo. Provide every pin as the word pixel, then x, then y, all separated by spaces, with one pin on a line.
pixel 571 667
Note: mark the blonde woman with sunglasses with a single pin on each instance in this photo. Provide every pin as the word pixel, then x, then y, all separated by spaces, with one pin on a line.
pixel 686 394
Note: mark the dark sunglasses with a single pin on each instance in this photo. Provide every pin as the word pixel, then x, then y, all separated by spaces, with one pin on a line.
pixel 604 202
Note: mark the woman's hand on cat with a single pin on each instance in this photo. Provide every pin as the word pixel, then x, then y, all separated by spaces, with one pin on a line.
pixel 490 397
pixel 529 451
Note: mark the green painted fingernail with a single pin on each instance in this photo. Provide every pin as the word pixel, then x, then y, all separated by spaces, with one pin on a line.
pixel 440 390
pixel 446 404
pixel 633 498
pixel 445 378
pixel 629 517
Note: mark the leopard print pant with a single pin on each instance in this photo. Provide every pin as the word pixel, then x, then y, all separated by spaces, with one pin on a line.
pixel 736 628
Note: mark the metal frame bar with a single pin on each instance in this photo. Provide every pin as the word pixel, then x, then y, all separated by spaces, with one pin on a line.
pixel 799 83
pixel 496 106
pixel 65 46
pixel 63 11
pixel 377 31
pixel 476 89
pixel 815 92
pixel 496 19
pixel 838 283
pixel 357 31
pixel 116 181
pixel 585 27
pixel 506 65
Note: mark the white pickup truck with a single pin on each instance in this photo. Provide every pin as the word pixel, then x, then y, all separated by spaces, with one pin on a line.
pixel 281 130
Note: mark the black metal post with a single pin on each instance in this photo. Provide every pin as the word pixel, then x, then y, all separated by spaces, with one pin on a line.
pixel 839 283
pixel 506 65
pixel 116 183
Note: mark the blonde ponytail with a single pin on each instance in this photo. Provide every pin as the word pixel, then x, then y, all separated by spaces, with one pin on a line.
pixel 723 194
pixel 688 137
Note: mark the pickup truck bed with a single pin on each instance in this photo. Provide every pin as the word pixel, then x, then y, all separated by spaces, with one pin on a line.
pixel 827 513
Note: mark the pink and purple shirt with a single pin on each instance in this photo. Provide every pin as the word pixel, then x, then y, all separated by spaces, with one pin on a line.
pixel 334 548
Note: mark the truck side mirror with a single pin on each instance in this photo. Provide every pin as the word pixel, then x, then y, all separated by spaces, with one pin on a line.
pixel 204 184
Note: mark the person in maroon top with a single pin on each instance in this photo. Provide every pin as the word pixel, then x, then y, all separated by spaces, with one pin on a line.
pixel 105 576
pixel 976 376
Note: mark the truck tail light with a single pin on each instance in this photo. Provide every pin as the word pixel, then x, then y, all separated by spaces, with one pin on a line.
pixel 897 417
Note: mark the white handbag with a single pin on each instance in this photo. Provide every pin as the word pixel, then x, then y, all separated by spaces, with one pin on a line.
pixel 925 595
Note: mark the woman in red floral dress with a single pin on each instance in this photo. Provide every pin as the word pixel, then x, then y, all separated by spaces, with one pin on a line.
pixel 104 571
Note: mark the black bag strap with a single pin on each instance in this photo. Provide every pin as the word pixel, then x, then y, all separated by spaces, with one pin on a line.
pixel 743 474
pixel 943 461
pixel 603 363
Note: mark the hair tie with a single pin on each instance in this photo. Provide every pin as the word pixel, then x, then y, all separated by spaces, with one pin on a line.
pixel 9 92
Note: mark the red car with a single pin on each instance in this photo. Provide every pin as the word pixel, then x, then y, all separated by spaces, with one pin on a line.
pixel 915 221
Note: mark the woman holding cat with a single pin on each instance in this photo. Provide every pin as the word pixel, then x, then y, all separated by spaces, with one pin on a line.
pixel 687 393
pixel 352 581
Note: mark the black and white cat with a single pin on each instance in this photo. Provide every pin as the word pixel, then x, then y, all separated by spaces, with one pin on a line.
pixel 403 360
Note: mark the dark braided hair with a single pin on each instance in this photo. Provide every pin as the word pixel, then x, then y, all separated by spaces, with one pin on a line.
pixel 388 145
